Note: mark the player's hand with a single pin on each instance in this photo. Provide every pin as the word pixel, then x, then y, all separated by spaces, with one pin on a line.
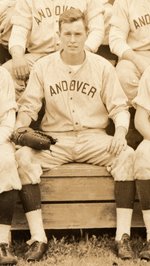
pixel 21 68
pixel 118 143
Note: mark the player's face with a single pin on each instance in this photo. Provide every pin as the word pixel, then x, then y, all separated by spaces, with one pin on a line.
pixel 73 36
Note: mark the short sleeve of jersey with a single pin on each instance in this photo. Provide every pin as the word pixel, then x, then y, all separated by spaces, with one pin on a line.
pixel 143 97
pixel 94 8
pixel 22 14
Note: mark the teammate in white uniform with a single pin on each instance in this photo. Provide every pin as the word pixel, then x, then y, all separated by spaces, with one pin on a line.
pixel 142 159
pixel 129 39
pixel 9 179
pixel 35 31
pixel 81 93
pixel 6 8
pixel 6 11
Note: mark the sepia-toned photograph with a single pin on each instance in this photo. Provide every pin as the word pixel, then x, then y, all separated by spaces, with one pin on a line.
pixel 75 132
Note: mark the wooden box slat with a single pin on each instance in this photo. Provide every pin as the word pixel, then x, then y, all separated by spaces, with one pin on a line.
pixel 74 216
pixel 77 188
pixel 77 169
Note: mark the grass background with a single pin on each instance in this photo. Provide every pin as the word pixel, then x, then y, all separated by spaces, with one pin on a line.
pixel 81 248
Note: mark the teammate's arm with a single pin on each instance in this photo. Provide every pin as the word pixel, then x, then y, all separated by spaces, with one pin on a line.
pixel 136 59
pixel 23 120
pixel 17 47
pixel 95 16
pixel 21 26
pixel 20 66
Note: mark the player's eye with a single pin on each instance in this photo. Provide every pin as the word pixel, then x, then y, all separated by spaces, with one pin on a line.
pixel 78 33
pixel 67 33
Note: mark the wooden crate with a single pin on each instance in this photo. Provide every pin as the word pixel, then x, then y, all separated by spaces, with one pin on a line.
pixel 77 196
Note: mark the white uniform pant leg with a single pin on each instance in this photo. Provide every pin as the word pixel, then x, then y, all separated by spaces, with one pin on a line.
pixel 9 178
pixel 20 85
pixel 80 147
pixel 107 17
pixel 92 148
pixel 31 163
pixel 142 161
pixel 129 77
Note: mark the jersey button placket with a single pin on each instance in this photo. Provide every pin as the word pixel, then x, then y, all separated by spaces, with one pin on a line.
pixel 75 120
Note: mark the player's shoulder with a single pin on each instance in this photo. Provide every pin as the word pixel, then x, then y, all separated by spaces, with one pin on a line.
pixel 97 59
pixel 47 60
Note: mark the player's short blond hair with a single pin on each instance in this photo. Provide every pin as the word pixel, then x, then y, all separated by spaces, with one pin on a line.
pixel 71 15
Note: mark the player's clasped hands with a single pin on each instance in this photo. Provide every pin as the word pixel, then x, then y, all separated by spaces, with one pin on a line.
pixel 117 144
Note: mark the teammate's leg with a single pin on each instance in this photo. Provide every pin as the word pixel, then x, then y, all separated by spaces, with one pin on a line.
pixel 30 164
pixel 10 184
pixel 93 149
pixel 129 77
pixel 19 84
pixel 142 176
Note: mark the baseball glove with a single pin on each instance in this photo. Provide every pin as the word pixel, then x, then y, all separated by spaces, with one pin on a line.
pixel 25 136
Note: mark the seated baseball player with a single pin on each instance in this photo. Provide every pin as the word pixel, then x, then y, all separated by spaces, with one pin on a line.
pixel 142 158
pixel 35 33
pixel 9 178
pixel 81 92
pixel 128 39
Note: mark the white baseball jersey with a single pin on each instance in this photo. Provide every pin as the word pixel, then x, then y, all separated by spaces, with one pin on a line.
pixel 36 22
pixel 130 26
pixel 7 105
pixel 76 99
pixel 6 9
pixel 9 178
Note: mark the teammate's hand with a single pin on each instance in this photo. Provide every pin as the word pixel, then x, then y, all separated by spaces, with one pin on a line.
pixel 118 143
pixel 21 68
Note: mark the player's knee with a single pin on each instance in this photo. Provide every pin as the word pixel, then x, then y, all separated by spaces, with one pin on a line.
pixel 126 72
pixel 122 168
pixel 23 156
pixel 142 161
pixel 8 66
pixel 7 161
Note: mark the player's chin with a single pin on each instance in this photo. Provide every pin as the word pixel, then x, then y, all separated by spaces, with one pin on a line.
pixel 73 49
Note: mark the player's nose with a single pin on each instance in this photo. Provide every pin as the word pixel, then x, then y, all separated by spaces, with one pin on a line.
pixel 72 39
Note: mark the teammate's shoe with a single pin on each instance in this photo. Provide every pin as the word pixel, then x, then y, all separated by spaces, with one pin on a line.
pixel 6 255
pixel 124 248
pixel 36 251
pixel 145 253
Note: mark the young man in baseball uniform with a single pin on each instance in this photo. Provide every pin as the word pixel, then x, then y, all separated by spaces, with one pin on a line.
pixel 9 178
pixel 142 158
pixel 129 39
pixel 35 33
pixel 81 92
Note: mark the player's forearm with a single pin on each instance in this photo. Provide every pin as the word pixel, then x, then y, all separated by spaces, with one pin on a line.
pixel 94 40
pixel 117 42
pixel 96 32
pixel 18 39
pixel 23 120
pixel 121 131
pixel 122 119
pixel 17 51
